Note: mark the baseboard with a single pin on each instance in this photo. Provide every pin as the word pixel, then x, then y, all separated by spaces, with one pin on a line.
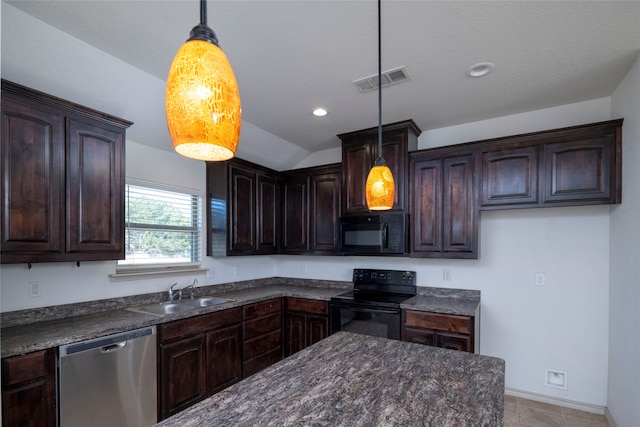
pixel 610 418
pixel 587 407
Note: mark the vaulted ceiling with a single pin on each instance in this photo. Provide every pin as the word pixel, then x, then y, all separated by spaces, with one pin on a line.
pixel 292 56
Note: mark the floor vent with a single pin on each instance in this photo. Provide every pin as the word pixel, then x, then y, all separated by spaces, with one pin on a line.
pixel 389 77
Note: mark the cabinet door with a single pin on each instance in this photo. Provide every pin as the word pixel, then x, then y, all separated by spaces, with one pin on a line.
pixel 419 336
pixel 357 160
pixel 32 180
pixel 28 390
pixel 580 171
pixel 95 190
pixel 324 212
pixel 268 214
pixel 510 177
pixel 242 211
pixel 317 328
pixel 224 358
pixel 443 213
pixel 183 374
pixel 426 207
pixel 295 220
pixel 296 333
pixel 459 225
pixel 394 153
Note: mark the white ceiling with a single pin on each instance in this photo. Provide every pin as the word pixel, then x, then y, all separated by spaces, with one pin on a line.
pixel 291 56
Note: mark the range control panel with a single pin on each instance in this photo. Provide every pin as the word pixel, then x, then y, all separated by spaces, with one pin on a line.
pixel 384 277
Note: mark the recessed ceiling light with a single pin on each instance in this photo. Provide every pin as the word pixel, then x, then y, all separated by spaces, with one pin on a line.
pixel 320 112
pixel 480 69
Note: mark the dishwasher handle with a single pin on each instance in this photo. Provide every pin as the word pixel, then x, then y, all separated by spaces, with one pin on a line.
pixel 113 347
pixel 105 344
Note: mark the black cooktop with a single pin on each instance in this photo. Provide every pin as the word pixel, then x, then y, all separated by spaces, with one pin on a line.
pixel 388 288
pixel 372 298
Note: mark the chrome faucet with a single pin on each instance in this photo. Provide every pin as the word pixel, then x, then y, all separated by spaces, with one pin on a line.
pixel 192 287
pixel 174 293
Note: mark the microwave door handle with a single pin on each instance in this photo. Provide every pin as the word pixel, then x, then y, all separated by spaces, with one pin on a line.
pixel 385 236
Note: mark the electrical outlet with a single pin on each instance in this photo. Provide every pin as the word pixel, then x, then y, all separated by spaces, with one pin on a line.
pixel 303 268
pixel 541 279
pixel 35 289
pixel 446 274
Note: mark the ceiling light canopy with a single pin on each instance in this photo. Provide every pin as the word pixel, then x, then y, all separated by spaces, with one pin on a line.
pixel 203 108
pixel 380 187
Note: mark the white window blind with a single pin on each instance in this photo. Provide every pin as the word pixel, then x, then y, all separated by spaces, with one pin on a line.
pixel 162 228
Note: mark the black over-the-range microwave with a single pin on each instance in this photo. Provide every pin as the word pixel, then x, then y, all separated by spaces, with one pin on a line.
pixel 374 234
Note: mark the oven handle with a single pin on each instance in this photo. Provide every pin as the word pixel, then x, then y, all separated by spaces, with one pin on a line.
pixel 363 309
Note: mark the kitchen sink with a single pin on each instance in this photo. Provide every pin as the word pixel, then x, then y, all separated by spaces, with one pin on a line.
pixel 206 301
pixel 165 308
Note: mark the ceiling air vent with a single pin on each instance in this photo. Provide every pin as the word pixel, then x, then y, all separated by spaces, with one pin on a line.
pixel 389 77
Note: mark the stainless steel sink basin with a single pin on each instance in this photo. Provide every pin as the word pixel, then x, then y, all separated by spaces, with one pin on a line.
pixel 180 306
pixel 206 301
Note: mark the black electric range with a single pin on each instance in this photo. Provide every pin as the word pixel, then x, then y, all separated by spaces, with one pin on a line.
pixel 373 307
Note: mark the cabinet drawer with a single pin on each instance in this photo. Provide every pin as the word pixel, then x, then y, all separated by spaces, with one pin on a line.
pixel 440 322
pixel 261 308
pixel 261 326
pixel 307 305
pixel 198 324
pixel 263 344
pixel 259 363
pixel 19 369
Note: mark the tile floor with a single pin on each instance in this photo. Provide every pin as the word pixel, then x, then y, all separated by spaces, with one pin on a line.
pixel 519 412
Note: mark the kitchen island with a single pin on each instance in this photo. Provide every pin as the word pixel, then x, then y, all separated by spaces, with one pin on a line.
pixel 357 380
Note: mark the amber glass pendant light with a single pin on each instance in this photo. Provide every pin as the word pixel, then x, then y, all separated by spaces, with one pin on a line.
pixel 380 188
pixel 203 109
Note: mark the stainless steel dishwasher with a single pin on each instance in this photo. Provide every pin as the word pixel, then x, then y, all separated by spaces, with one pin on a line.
pixel 109 381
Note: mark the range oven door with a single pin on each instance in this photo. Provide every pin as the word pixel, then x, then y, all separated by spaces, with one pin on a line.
pixel 365 319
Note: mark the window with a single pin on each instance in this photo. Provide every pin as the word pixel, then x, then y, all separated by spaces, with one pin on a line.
pixel 162 228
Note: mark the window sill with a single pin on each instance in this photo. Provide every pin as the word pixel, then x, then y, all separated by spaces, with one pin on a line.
pixel 140 274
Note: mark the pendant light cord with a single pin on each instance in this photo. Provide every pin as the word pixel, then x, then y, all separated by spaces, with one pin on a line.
pixel 379 161
pixel 203 12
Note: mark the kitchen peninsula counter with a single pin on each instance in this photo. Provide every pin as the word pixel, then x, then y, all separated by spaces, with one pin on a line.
pixel 357 380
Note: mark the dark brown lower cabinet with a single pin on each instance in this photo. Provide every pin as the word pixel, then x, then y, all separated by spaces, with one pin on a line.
pixel 28 390
pixel 440 330
pixel 198 357
pixel 307 322
pixel 262 336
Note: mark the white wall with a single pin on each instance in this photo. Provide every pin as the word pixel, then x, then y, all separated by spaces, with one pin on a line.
pixel 624 326
pixel 531 327
pixel 562 326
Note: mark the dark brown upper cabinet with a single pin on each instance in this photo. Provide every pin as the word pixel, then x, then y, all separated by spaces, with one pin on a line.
pixel 579 165
pixel 311 209
pixel 444 222
pixel 62 181
pixel 359 152
pixel 243 209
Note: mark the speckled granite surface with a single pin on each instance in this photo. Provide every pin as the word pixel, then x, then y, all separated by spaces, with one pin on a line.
pixel 357 380
pixel 52 333
pixel 31 330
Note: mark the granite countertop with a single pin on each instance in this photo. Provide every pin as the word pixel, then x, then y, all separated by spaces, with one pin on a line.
pixel 38 329
pixel 357 380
